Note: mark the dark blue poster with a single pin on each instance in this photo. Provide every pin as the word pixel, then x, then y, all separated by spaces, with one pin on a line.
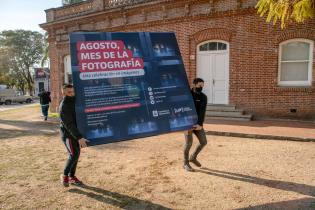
pixel 129 85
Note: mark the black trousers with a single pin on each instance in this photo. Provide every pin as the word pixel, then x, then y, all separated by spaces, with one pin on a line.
pixel 201 135
pixel 73 149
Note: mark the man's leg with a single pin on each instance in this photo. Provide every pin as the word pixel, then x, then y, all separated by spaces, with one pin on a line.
pixel 46 107
pixel 46 111
pixel 72 178
pixel 202 143
pixel 188 144
pixel 72 159
pixel 43 110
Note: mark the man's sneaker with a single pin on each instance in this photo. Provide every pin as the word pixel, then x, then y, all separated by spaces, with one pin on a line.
pixel 187 167
pixel 45 118
pixel 64 180
pixel 74 180
pixel 195 161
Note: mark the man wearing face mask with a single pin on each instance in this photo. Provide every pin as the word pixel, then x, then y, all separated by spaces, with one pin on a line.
pixel 200 100
pixel 70 136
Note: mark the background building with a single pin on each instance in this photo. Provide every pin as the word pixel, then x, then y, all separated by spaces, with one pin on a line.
pixel 244 60
pixel 41 80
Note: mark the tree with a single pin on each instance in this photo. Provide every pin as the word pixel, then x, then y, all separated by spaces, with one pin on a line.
pixel 4 70
pixel 286 10
pixel 20 50
pixel 68 2
pixel 9 74
pixel 45 57
pixel 5 79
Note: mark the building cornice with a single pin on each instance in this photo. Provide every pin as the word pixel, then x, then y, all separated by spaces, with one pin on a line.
pixel 166 8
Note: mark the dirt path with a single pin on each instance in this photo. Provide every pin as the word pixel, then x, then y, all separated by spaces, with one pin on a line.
pixel 4 108
pixel 147 173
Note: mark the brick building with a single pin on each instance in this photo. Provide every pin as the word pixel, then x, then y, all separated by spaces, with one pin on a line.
pixel 244 60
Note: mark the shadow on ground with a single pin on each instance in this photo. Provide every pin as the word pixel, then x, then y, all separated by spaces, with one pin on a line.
pixel 115 199
pixel 26 128
pixel 281 185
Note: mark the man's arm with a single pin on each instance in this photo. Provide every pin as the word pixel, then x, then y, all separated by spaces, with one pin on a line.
pixel 68 121
pixel 202 110
pixel 49 98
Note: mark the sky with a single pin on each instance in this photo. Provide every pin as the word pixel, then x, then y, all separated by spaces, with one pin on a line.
pixel 24 14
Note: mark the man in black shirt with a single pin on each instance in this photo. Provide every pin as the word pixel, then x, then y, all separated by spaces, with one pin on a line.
pixel 70 136
pixel 200 100
pixel 44 100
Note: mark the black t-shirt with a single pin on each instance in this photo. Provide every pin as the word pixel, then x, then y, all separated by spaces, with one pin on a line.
pixel 200 100
pixel 44 98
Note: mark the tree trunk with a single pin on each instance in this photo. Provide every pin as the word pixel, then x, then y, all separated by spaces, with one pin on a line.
pixel 29 80
pixel 22 87
pixel 30 87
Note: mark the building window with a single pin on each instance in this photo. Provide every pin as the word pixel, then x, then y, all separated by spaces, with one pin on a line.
pixel 295 62
pixel 212 46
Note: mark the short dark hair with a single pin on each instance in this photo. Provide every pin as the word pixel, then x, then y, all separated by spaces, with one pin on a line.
pixel 67 86
pixel 197 80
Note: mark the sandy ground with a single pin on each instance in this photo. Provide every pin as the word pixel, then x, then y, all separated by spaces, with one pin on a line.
pixel 147 173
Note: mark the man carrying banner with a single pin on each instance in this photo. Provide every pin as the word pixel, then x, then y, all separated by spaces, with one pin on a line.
pixel 200 100
pixel 70 136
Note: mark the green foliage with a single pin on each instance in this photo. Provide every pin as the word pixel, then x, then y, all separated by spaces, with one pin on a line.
pixel 5 78
pixel 286 10
pixel 53 115
pixel 19 51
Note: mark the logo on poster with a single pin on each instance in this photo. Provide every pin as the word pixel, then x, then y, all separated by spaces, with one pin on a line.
pixel 155 113
pixel 178 110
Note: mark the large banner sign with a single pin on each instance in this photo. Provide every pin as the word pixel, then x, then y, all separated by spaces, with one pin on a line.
pixel 129 85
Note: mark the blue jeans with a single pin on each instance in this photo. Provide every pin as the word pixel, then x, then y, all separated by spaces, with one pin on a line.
pixel 45 109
